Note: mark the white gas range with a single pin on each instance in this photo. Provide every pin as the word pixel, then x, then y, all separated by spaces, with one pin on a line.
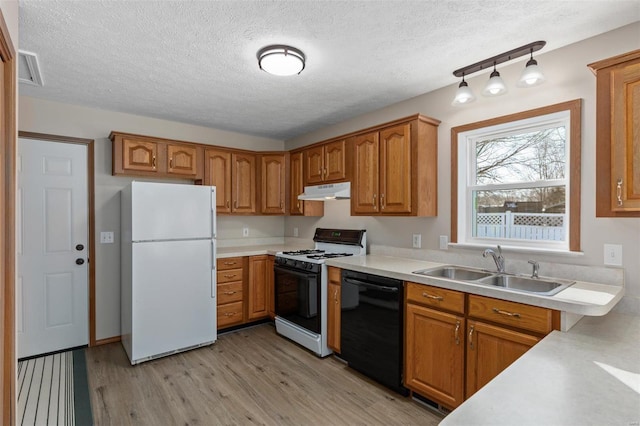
pixel 301 286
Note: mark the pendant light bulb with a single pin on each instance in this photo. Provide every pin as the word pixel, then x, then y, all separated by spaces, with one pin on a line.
pixel 464 95
pixel 531 75
pixel 495 86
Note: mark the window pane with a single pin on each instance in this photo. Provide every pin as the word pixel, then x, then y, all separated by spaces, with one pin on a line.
pixel 522 157
pixel 523 214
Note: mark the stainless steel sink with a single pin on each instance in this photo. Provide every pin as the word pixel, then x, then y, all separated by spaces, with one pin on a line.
pixel 546 287
pixel 455 273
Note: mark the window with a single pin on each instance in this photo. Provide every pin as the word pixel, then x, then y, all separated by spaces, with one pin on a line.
pixel 516 180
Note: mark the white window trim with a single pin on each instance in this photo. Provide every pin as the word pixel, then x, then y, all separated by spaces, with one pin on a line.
pixel 466 171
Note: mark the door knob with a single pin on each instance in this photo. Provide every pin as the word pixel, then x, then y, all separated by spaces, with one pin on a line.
pixel 79 261
pixel 79 247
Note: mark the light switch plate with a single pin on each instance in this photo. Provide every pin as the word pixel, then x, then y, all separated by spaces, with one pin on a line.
pixel 444 242
pixel 295 231
pixel 106 237
pixel 613 254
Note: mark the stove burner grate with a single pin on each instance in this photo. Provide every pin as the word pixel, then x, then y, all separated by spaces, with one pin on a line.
pixel 328 255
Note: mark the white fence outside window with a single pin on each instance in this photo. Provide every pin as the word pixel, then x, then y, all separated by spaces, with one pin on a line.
pixel 524 226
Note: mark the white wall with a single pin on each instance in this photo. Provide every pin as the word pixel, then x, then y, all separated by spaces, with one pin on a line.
pixel 568 78
pixel 36 115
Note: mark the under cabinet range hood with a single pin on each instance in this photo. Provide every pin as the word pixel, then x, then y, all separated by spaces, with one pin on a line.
pixel 331 191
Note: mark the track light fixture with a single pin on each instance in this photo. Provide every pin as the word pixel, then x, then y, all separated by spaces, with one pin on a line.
pixel 531 76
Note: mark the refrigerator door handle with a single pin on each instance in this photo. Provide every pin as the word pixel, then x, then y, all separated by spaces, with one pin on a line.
pixel 213 269
pixel 213 211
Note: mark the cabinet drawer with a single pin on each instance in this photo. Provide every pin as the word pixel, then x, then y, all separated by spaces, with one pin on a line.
pixel 436 297
pixel 229 314
pixel 229 275
pixel 526 317
pixel 231 292
pixel 229 263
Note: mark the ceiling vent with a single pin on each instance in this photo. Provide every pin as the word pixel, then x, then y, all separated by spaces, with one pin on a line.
pixel 28 69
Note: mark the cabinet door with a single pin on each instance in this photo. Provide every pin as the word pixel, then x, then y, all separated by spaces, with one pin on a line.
pixel 272 171
pixel 395 169
pixel 243 183
pixel 139 155
pixel 335 161
pixel 333 309
pixel 625 138
pixel 490 350
pixel 257 298
pixel 364 191
pixel 314 165
pixel 217 172
pixel 269 278
pixel 182 160
pixel 434 354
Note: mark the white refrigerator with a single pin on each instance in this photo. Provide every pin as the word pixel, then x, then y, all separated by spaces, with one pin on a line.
pixel 168 285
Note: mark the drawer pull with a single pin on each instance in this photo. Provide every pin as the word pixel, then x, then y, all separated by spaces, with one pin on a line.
pixel 229 292
pixel 619 192
pixel 230 275
pixel 153 162
pixel 430 296
pixel 471 337
pixel 227 203
pixel 335 296
pixel 229 263
pixel 457 336
pixel 229 314
pixel 509 314
pixel 171 163
pixel 375 205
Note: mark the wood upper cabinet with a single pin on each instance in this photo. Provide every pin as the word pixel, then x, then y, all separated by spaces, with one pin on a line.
pixel 243 182
pixel 326 163
pixel 395 170
pixel 137 155
pixel 258 295
pixel 272 183
pixel 217 172
pixel 491 349
pixel 296 187
pixel 334 308
pixel 618 135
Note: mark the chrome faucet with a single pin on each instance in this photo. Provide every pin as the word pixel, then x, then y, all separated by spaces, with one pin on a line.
pixel 536 268
pixel 498 258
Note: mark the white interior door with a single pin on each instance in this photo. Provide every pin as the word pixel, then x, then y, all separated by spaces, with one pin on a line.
pixel 52 247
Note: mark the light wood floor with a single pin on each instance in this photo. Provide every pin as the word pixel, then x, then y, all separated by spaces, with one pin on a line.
pixel 252 376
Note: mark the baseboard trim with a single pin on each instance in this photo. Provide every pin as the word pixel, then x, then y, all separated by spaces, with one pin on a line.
pixel 108 340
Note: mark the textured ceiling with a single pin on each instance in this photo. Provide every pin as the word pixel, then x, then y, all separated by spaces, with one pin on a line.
pixel 195 61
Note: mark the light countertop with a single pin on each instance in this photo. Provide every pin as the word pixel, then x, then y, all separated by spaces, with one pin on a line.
pixel 272 249
pixel 582 298
pixel 589 375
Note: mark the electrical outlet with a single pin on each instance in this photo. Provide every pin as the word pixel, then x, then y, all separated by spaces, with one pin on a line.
pixel 245 232
pixel 444 242
pixel 106 237
pixel 295 231
pixel 613 254
pixel 417 240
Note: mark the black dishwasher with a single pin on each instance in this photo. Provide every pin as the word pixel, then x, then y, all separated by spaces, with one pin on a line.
pixel 371 327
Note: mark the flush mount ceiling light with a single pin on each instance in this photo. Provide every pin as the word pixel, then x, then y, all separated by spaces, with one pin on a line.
pixel 496 86
pixel 281 60
pixel 464 94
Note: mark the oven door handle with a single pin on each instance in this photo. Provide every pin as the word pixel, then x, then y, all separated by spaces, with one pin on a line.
pixel 372 286
pixel 293 272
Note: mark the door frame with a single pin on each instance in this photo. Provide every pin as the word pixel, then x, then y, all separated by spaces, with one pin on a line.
pixel 8 142
pixel 89 143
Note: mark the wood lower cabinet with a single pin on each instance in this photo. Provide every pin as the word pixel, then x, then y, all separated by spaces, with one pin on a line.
pixel 272 184
pixel 618 135
pixel 258 295
pixel 491 349
pixel 395 169
pixel 296 187
pixel 137 155
pixel 334 308
pixel 455 343
pixel 434 350
pixel 270 279
pixel 230 291
pixel 326 163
